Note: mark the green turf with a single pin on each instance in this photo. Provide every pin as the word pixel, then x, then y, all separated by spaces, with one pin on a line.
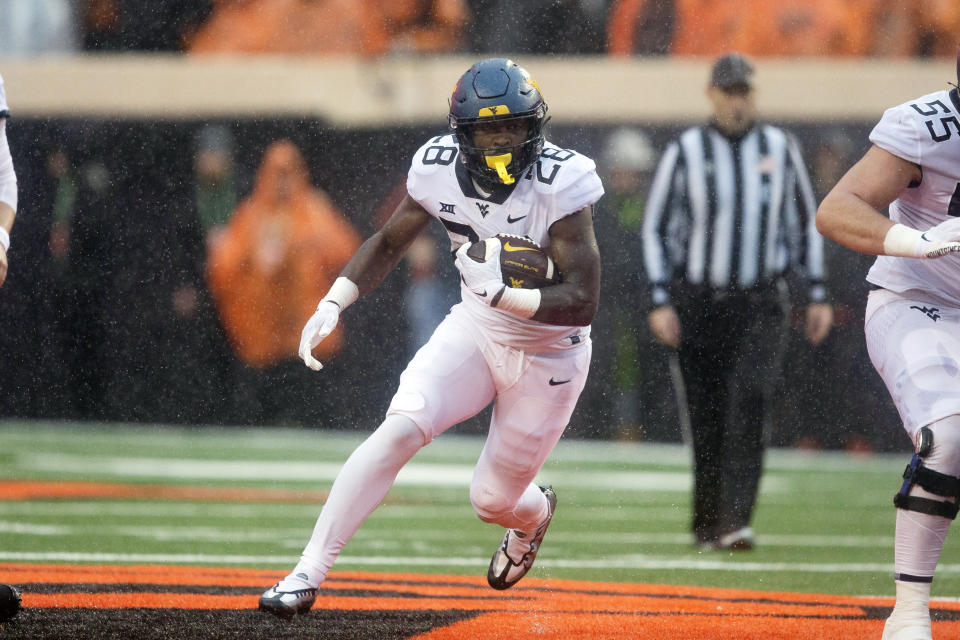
pixel 824 521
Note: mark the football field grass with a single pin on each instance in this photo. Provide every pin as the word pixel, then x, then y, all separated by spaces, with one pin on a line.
pixel 120 531
pixel 249 498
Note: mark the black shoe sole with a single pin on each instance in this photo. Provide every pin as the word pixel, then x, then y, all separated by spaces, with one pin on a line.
pixel 284 613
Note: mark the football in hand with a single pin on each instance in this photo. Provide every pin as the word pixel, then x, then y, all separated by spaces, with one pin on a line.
pixel 523 263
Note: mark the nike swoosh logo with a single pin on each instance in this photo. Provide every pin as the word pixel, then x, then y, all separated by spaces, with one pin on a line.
pixel 554 383
pixel 512 220
pixel 482 294
pixel 509 247
pixel 924 236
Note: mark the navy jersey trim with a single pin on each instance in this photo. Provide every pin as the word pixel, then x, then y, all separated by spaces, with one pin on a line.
pixel 499 195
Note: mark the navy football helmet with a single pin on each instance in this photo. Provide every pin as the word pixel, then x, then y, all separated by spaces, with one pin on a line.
pixel 497 89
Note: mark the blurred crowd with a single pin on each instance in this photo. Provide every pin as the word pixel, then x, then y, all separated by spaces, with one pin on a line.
pixel 372 28
pixel 229 208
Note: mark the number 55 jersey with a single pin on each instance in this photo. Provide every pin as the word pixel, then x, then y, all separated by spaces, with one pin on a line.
pixel 559 183
pixel 925 131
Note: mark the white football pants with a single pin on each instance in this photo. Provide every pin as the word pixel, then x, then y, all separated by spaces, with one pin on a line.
pixel 451 378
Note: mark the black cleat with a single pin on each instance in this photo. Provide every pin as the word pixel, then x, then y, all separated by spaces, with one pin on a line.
pixel 286 604
pixel 504 572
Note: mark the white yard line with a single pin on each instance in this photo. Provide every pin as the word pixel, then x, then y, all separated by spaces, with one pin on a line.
pixel 249 442
pixel 413 474
pixel 622 562
pixel 229 535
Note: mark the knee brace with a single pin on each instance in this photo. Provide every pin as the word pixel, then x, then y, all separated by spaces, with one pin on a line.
pixel 929 480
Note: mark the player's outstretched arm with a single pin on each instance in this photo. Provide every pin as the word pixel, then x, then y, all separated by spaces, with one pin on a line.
pixel 7 215
pixel 575 252
pixel 375 258
pixel 850 214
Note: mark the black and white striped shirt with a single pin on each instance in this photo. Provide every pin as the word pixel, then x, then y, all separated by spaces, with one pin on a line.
pixel 731 213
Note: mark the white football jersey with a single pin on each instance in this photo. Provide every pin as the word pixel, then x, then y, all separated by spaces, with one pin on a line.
pixel 925 131
pixel 4 109
pixel 561 182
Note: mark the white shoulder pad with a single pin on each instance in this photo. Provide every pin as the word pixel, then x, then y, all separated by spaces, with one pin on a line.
pixel 902 130
pixel 568 177
pixel 434 155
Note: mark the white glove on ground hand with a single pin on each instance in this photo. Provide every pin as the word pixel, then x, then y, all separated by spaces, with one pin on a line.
pixel 484 279
pixel 321 323
pixel 933 243
pixel 944 238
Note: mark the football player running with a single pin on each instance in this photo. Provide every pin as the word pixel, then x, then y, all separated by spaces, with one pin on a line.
pixel 913 319
pixel 525 350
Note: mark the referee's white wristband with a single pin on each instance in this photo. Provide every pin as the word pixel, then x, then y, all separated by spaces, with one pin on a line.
pixel 519 302
pixel 343 293
pixel 903 241
pixel 4 239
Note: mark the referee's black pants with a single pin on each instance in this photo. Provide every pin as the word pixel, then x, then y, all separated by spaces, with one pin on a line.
pixel 730 354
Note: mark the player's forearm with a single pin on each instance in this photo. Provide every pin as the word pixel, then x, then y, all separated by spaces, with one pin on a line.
pixel 568 303
pixel 7 215
pixel 373 262
pixel 847 219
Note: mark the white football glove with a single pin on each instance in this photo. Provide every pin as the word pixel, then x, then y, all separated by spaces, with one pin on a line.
pixel 943 239
pixel 484 279
pixel 321 323
pixel 933 243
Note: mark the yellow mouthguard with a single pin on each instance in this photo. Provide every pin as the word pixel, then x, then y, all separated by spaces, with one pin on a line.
pixel 500 164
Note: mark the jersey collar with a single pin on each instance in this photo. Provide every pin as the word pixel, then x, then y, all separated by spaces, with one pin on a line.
pixel 500 193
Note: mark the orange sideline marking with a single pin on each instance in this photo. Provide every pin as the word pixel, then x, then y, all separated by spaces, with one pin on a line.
pixel 27 490
pixel 547 608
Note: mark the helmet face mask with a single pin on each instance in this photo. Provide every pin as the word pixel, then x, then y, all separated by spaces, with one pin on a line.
pixel 498 91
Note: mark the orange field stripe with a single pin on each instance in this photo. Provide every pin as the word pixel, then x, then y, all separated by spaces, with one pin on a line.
pixel 229 576
pixel 547 626
pixel 549 609
pixel 661 597
pixel 30 490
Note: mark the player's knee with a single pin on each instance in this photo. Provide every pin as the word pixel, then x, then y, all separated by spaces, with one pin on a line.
pixel 931 481
pixel 489 504
pixel 398 434
pixel 944 456
pixel 413 406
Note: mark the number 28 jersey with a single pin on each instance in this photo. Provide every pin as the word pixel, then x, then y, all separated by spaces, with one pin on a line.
pixel 925 131
pixel 560 182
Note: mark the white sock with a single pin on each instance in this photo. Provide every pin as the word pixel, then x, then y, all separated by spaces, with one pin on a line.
pixel 912 598
pixel 531 511
pixel 920 536
pixel 360 486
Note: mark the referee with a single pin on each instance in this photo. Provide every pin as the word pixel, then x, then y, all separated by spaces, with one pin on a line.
pixel 730 211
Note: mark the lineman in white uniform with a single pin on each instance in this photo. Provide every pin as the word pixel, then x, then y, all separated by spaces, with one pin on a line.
pixel 913 319
pixel 525 350
pixel 8 186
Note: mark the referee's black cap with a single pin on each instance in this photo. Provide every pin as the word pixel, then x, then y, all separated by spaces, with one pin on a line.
pixel 731 70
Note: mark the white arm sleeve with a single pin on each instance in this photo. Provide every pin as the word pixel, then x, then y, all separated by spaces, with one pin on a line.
pixel 8 177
